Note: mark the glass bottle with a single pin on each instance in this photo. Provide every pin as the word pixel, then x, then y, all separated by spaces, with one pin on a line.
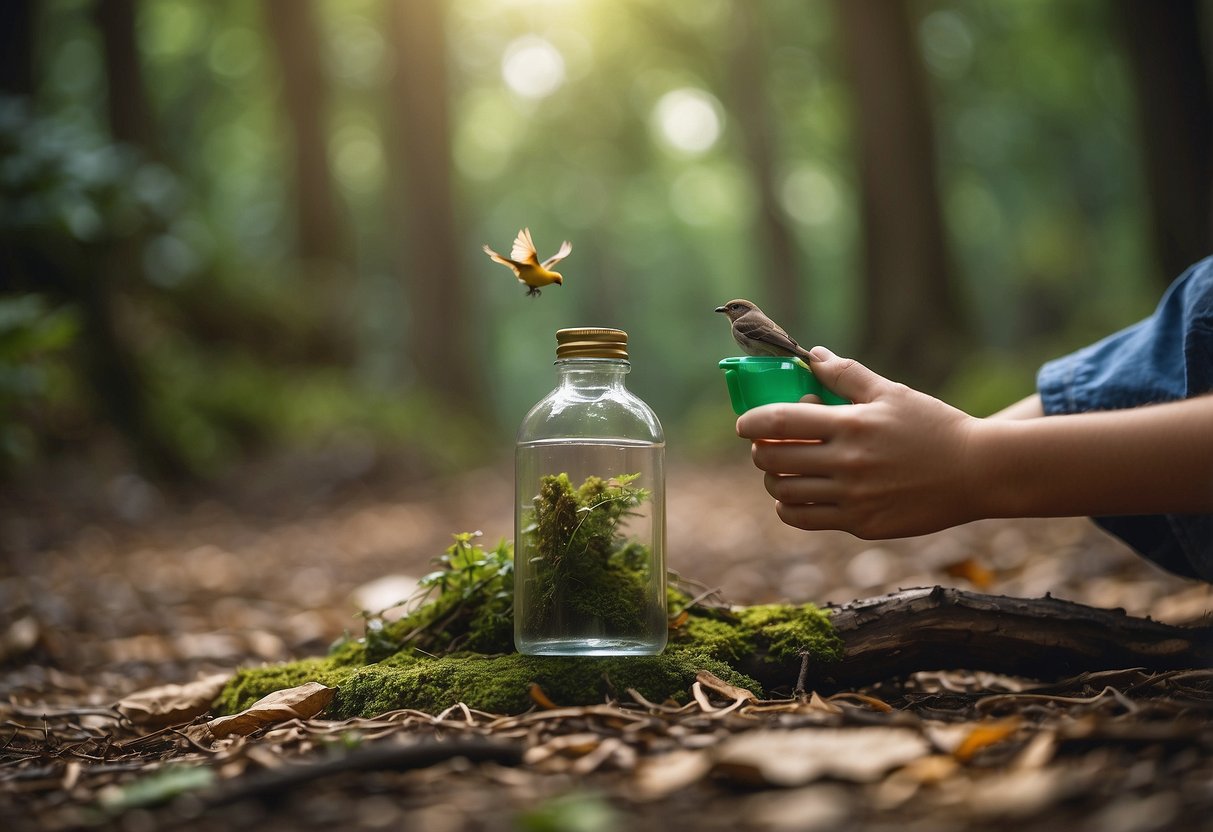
pixel 589 513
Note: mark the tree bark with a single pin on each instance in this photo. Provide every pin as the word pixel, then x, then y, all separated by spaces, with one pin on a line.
pixel 17 47
pixel 130 113
pixel 1175 116
pixel 319 223
pixel 950 629
pixel 440 330
pixel 777 256
pixel 111 363
pixel 911 314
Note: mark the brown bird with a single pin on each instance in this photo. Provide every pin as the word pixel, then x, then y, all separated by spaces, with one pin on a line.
pixel 524 261
pixel 757 334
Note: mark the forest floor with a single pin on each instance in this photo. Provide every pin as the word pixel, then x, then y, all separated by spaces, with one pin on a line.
pixel 110 587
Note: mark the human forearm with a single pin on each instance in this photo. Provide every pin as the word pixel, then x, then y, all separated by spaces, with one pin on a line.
pixel 1147 460
pixel 1029 408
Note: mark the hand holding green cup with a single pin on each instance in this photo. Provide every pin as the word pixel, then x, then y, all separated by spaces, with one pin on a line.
pixel 755 380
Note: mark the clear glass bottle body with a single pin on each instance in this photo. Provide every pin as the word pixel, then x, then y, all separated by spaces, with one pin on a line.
pixel 589 546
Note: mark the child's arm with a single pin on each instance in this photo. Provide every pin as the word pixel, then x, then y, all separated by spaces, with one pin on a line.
pixel 899 462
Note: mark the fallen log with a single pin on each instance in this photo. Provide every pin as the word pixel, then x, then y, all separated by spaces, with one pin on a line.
pixel 939 628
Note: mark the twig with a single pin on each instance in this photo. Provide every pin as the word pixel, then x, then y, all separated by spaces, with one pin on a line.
pixel 799 691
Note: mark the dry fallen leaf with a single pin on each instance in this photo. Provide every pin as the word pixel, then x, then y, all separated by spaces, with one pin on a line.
pixel 302 702
pixel 972 571
pixel 663 775
pixel 715 683
pixel 166 705
pixel 541 699
pixel 797 757
pixel 1023 792
pixel 862 698
pixel 984 735
pixel 963 740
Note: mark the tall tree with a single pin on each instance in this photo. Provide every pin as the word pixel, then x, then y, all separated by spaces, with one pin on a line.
pixel 100 281
pixel 1165 45
pixel 17 47
pixel 126 101
pixel 783 273
pixel 440 331
pixel 911 310
pixel 320 227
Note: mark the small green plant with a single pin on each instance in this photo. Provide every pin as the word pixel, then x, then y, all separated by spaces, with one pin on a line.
pixel 465 604
pixel 584 567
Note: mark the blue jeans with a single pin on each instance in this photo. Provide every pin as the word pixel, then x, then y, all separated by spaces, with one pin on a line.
pixel 1167 356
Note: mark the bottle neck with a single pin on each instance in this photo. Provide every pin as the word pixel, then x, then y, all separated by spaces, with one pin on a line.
pixel 592 372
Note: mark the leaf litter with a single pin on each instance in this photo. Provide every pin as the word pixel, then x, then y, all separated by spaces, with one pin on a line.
pixel 1125 749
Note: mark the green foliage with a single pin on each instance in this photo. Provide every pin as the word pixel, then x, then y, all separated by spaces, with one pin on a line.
pixel 63 185
pixel 1039 183
pixel 466 604
pixel 157 788
pixel 576 811
pixel 34 337
pixel 583 564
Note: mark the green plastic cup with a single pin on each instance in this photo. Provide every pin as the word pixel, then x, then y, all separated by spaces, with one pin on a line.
pixel 755 380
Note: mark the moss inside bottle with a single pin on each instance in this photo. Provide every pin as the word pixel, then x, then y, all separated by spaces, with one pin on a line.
pixel 589 524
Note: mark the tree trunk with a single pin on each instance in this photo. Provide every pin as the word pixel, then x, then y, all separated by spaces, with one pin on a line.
pixel 319 224
pixel 440 330
pixel 111 364
pixel 911 315
pixel 950 629
pixel 1164 42
pixel 130 114
pixel 17 47
pixel 777 258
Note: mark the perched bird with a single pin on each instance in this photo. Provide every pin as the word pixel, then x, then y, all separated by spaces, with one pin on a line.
pixel 524 260
pixel 757 334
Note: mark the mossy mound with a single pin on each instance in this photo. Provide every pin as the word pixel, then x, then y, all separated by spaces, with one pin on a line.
pixel 498 684
pixel 457 647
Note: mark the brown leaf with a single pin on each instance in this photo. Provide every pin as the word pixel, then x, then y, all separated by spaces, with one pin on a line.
pixel 302 702
pixel 575 744
pixel 659 776
pixel 714 682
pixel 972 571
pixel 819 705
pixel 871 701
pixel 797 757
pixel 983 735
pixel 541 699
pixel 166 705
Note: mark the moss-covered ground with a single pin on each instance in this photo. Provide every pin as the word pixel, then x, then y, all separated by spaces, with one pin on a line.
pixel 456 646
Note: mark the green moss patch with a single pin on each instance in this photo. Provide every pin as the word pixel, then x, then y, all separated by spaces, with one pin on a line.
pixel 456 646
pixel 498 684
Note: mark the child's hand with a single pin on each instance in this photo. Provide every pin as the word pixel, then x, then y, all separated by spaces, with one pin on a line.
pixel 893 464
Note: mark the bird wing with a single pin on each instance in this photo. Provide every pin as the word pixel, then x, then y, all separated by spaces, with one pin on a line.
pixel 566 248
pixel 497 258
pixel 524 248
pixel 768 333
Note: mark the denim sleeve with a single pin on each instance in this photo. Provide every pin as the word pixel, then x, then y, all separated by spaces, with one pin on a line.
pixel 1167 356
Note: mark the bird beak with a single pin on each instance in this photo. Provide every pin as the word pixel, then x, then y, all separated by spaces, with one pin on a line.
pixel 719 308
pixel 559 280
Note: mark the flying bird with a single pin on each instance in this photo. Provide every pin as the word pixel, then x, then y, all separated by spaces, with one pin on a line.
pixel 524 261
pixel 757 334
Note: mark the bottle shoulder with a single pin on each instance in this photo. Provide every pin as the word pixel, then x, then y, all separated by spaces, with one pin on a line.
pixel 617 413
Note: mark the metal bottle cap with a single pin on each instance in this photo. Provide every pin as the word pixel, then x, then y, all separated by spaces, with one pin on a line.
pixel 591 342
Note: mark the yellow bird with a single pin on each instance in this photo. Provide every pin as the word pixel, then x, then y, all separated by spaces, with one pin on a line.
pixel 524 261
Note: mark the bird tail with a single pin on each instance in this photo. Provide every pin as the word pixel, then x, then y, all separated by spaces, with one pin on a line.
pixel 497 258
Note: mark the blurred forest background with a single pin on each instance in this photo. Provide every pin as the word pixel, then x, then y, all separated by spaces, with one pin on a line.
pixel 234 229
